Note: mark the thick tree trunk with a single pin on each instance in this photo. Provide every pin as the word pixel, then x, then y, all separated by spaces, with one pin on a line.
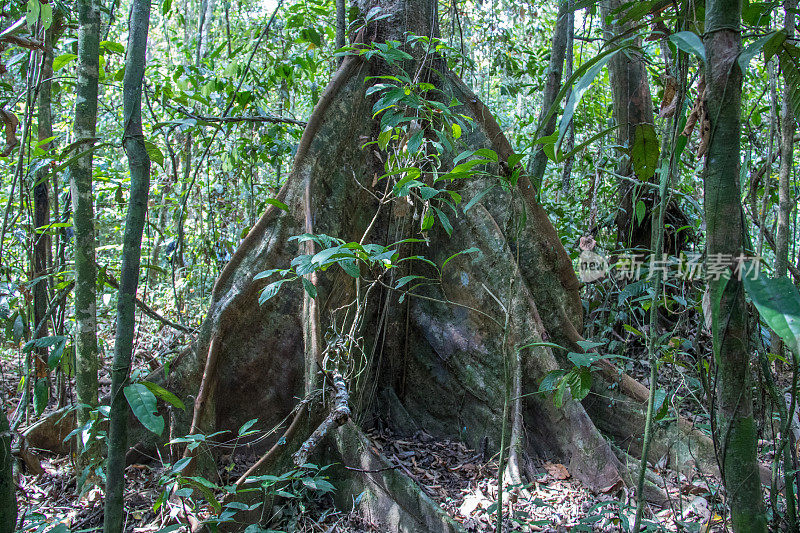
pixel 633 106
pixel 83 209
pixel 429 360
pixel 724 219
pixel 139 164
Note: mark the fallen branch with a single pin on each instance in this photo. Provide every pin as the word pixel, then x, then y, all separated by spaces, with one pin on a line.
pixel 338 416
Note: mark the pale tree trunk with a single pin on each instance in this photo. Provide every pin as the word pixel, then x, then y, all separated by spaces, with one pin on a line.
pixel 785 172
pixel 83 211
pixel 538 163
pixel 735 426
pixel 633 105
pixel 204 33
pixel 139 164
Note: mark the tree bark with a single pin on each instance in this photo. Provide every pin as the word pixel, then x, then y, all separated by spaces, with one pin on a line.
pixel 139 164
pixel 633 105
pixel 8 489
pixel 83 211
pixel 735 426
pixel 431 359
pixel 41 202
pixel 787 149
pixel 538 163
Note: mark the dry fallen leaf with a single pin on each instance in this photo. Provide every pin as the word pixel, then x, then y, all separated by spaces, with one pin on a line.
pixel 557 470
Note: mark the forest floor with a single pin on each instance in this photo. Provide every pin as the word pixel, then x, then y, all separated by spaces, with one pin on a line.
pixel 462 481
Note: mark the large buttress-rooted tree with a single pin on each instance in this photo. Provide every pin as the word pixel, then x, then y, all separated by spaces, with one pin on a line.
pixel 432 360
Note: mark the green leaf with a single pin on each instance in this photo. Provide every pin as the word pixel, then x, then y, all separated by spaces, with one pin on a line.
pixel 155 154
pixel 589 71
pixel 309 287
pixel 750 51
pixel 277 203
pixel 350 266
pixel 111 46
pixel 444 221
pixel 166 5
pixel 165 395
pixel 271 290
pixel 456 131
pixel 62 60
pixel 644 152
pixel 405 279
pixel 41 395
pixel 689 42
pixel 32 13
pixel 383 138
pixel 246 426
pixel 143 404
pixel 471 250
pixel 789 57
pixel 640 211
pixel 477 198
pixel 778 302
pixel 46 14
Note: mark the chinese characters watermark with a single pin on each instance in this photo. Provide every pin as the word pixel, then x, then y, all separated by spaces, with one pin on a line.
pixel 691 266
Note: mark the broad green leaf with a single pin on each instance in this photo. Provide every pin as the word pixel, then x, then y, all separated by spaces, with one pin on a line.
pixel 32 12
pixel 155 154
pixel 579 89
pixel 271 290
pixel 111 46
pixel 456 131
pixel 778 303
pixel 277 203
pixel 309 288
pixel 143 405
pixel 645 151
pixel 165 395
pixel 689 42
pixel 41 395
pixel 789 57
pixel 640 211
pixel 405 279
pixel 750 51
pixel 246 426
pixel 62 60
pixel 46 15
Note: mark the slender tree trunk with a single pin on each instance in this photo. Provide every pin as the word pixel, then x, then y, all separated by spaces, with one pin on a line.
pixel 633 105
pixel 566 173
pixel 8 490
pixel 139 164
pixel 83 209
pixel 735 427
pixel 340 25
pixel 787 146
pixel 41 202
pixel 538 163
